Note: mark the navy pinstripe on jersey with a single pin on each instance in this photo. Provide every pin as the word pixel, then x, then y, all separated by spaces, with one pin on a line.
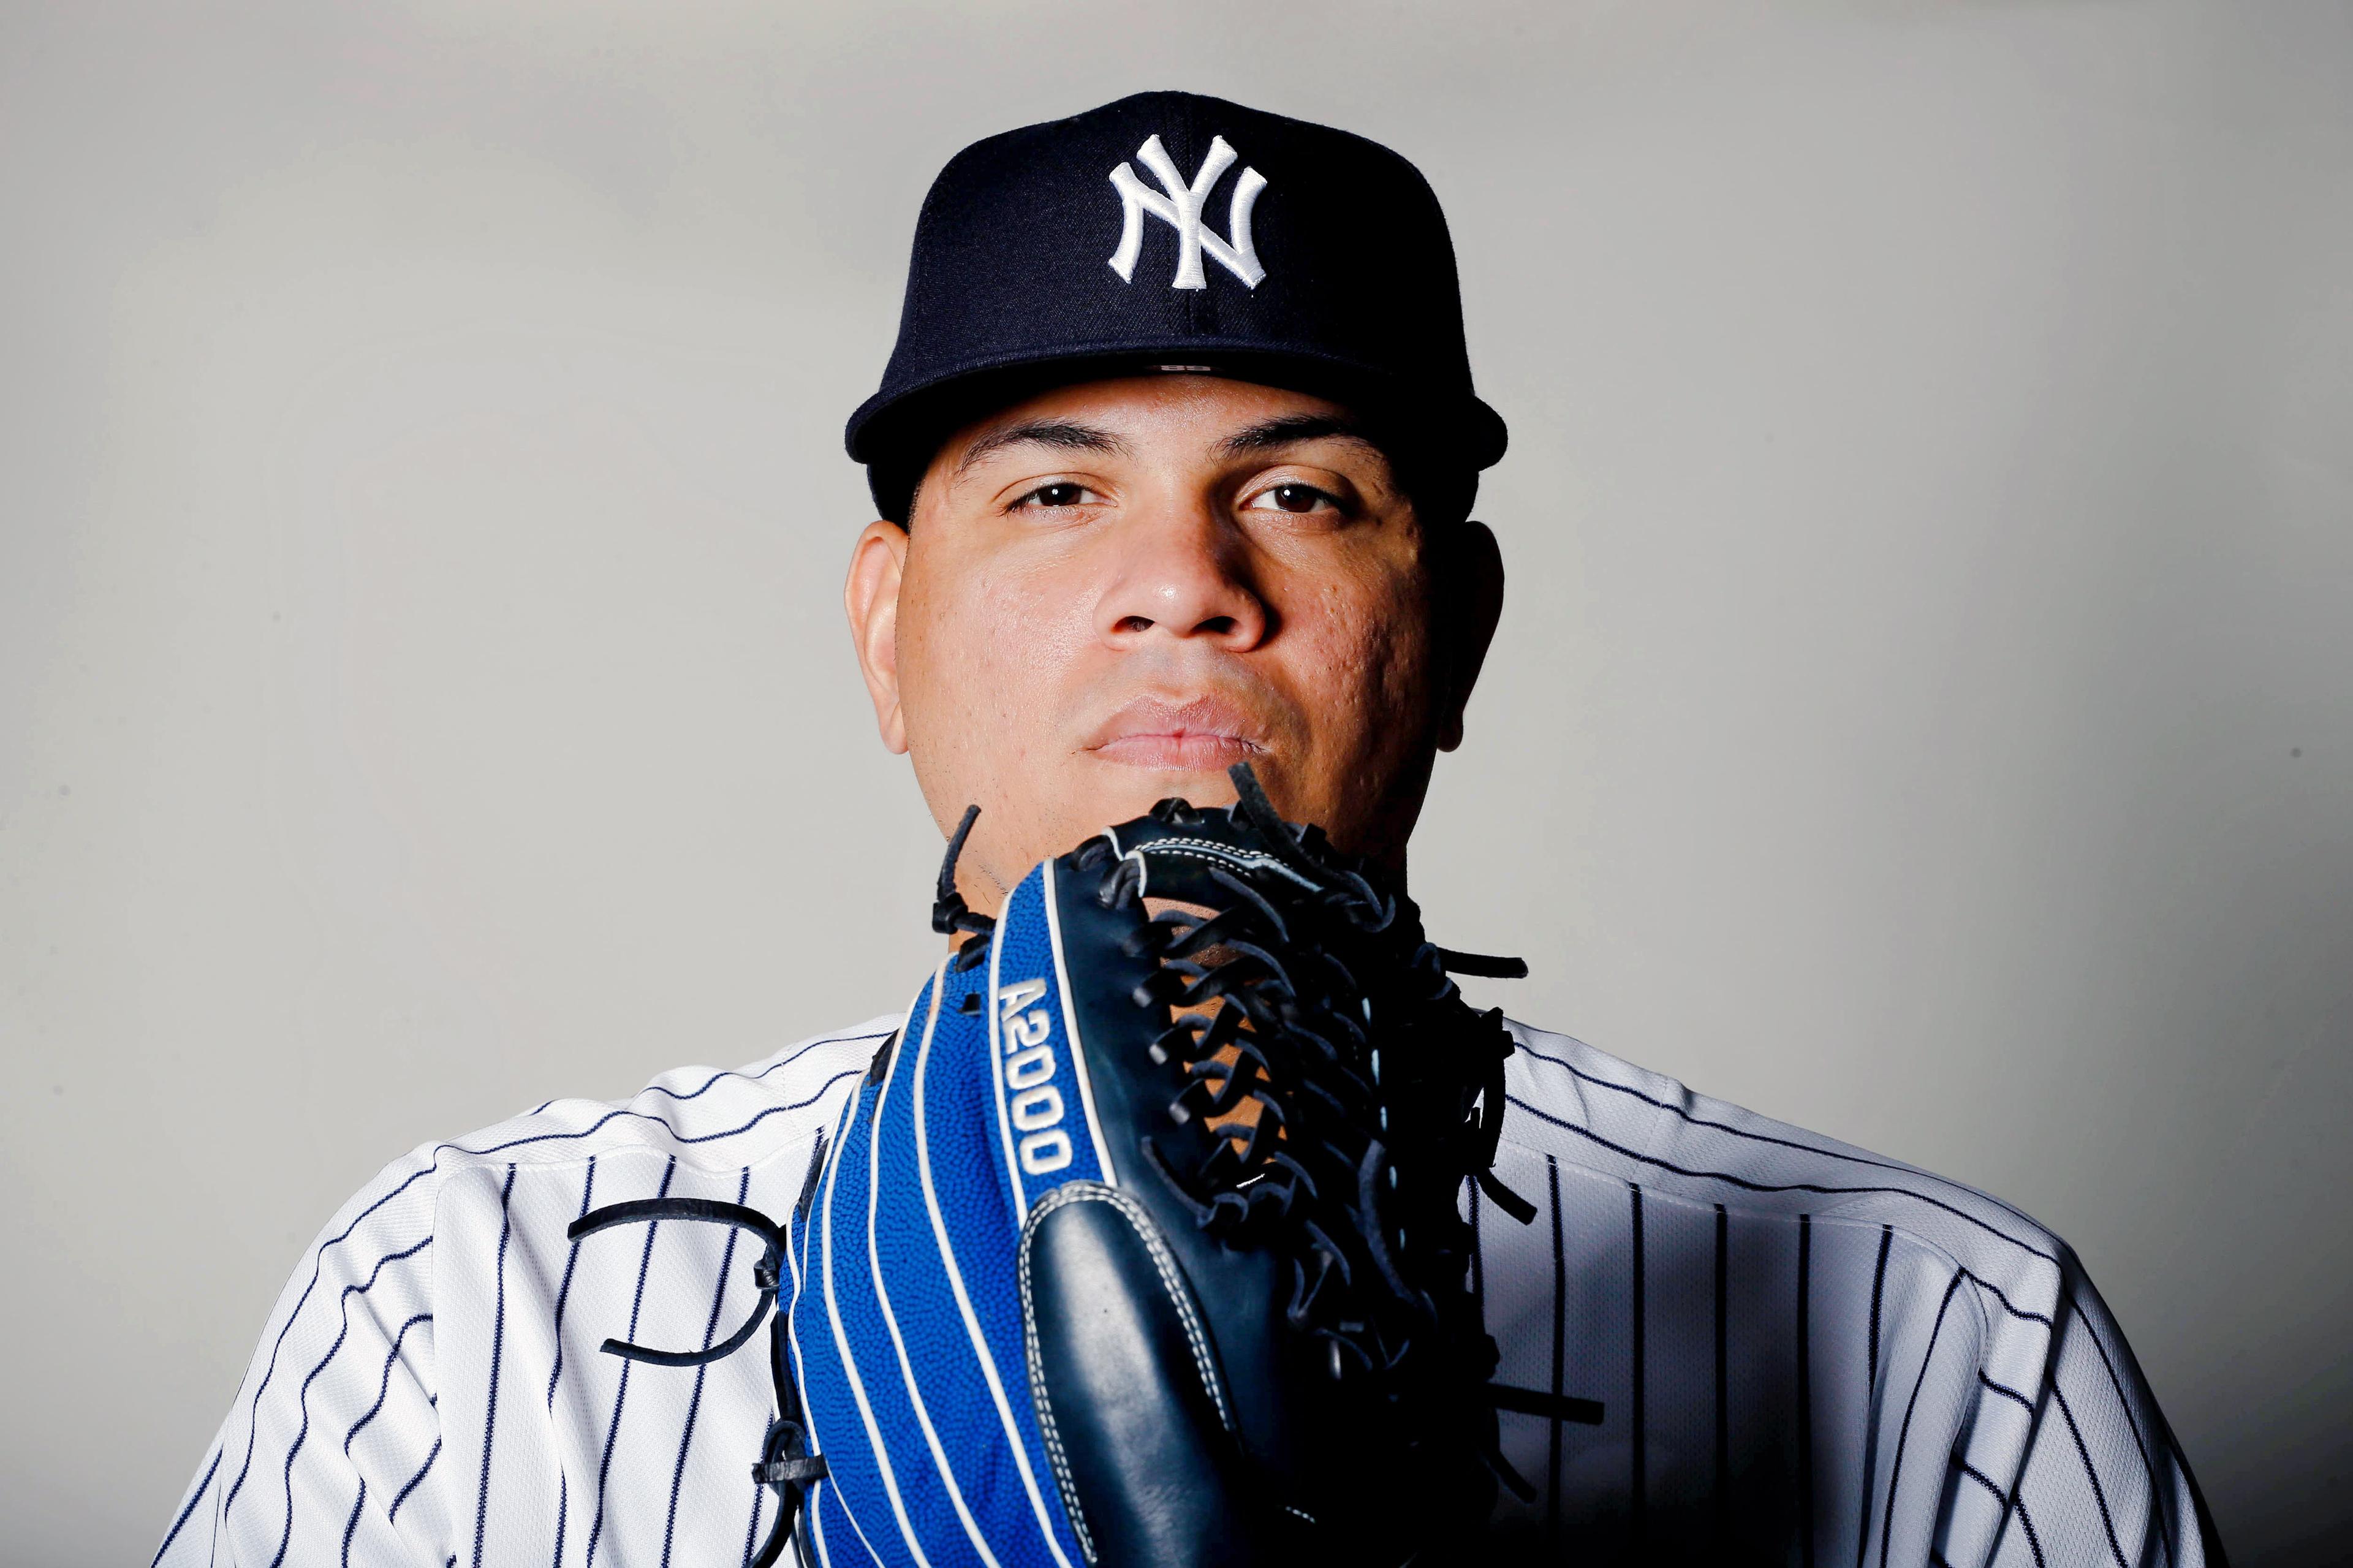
pixel 1722 1337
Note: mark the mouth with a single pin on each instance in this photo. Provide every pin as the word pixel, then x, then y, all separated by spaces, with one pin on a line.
pixel 1207 734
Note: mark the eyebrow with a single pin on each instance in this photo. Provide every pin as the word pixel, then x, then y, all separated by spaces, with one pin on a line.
pixel 1064 434
pixel 1268 434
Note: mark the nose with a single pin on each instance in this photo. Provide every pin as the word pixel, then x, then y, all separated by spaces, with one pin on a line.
pixel 1181 572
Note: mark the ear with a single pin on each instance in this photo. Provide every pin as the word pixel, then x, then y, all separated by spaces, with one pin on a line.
pixel 878 563
pixel 1470 594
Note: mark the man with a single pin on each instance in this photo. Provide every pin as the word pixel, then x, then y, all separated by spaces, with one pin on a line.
pixel 1156 499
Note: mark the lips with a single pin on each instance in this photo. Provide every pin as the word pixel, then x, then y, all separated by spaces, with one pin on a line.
pixel 1207 734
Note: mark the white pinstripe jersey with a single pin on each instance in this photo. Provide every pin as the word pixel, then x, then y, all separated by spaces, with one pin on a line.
pixel 1801 1352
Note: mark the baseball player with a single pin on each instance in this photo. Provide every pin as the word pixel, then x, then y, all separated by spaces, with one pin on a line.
pixel 1173 459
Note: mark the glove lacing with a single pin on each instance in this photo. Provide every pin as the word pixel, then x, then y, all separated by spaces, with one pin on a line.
pixel 785 1466
pixel 1348 1164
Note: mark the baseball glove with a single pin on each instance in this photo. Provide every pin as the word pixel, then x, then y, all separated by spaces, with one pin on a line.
pixel 1142 1243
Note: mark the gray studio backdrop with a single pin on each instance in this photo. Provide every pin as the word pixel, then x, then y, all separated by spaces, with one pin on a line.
pixel 1923 711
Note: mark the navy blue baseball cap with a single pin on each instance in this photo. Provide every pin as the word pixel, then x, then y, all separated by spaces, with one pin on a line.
pixel 1174 231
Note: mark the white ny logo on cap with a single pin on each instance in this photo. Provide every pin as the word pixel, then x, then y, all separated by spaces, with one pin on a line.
pixel 1181 210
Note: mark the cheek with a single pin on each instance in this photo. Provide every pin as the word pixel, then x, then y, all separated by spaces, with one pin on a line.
pixel 1367 666
pixel 981 652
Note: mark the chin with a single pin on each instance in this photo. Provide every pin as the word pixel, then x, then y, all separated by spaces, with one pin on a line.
pixel 1109 792
pixel 1141 787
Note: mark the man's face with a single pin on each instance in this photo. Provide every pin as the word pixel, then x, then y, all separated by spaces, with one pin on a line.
pixel 1112 591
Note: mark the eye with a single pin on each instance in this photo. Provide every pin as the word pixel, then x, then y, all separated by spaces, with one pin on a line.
pixel 1294 498
pixel 1058 494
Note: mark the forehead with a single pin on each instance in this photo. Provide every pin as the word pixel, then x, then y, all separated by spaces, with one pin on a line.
pixel 1163 416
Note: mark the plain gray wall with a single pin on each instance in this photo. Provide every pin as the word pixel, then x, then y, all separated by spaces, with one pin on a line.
pixel 1923 711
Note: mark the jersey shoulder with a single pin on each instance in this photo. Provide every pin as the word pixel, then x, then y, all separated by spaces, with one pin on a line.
pixel 1587 1108
pixel 1927 1267
pixel 700 1115
pixel 699 1118
pixel 704 1125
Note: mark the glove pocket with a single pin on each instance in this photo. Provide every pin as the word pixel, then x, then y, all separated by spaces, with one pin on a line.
pixel 1139 1425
